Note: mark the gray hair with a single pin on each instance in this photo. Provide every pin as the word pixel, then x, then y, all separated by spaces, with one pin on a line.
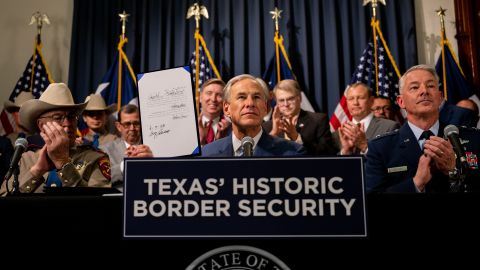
pixel 234 80
pixel 430 69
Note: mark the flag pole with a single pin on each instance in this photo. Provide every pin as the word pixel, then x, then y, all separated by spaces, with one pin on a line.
pixel 374 25
pixel 196 11
pixel 441 14
pixel 123 18
pixel 38 19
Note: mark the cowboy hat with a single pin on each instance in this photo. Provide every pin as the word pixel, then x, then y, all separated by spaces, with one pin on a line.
pixel 97 103
pixel 56 96
pixel 19 100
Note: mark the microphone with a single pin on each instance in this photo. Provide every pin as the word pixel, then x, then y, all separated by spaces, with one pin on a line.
pixel 452 133
pixel 20 147
pixel 247 145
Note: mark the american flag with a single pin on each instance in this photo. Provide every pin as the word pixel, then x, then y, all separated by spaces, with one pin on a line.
pixel 365 73
pixel 205 70
pixel 35 78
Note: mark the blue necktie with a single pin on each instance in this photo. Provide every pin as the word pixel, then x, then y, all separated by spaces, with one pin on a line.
pixel 95 140
pixel 53 179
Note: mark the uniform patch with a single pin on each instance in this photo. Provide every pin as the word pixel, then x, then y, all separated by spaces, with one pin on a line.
pixel 397 169
pixel 472 160
pixel 104 165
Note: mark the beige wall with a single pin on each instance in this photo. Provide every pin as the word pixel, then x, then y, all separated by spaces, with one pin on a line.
pixel 428 29
pixel 17 42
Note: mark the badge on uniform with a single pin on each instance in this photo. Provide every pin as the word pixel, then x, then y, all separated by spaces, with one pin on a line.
pixel 80 165
pixel 472 160
pixel 104 165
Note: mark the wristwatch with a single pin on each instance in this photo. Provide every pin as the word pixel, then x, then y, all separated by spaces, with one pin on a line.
pixel 454 173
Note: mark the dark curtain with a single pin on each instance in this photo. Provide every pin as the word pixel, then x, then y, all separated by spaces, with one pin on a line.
pixel 324 39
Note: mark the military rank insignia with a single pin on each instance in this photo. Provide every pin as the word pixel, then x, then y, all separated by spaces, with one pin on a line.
pixel 472 160
pixel 104 165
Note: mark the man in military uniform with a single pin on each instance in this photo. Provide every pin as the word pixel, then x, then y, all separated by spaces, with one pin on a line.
pixel 417 158
pixel 95 115
pixel 59 162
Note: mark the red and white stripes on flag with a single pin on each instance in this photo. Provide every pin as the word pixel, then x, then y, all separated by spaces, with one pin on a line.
pixel 366 72
pixel 35 79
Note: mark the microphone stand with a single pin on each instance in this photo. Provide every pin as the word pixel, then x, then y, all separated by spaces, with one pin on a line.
pixel 15 185
pixel 457 185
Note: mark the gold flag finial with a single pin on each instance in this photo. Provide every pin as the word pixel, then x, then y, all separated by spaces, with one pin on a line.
pixel 123 18
pixel 441 14
pixel 374 5
pixel 39 19
pixel 196 10
pixel 276 15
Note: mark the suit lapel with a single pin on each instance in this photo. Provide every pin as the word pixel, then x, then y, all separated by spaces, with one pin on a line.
pixel 226 148
pixel 264 145
pixel 371 128
pixel 409 148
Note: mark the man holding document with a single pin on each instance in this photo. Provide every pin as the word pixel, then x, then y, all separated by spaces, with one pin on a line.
pixel 245 103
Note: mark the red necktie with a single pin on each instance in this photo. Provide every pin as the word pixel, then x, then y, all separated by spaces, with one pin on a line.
pixel 210 134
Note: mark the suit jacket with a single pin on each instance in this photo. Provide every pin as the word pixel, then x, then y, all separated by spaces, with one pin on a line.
pixel 116 152
pixel 315 131
pixel 378 126
pixel 267 146
pixel 392 162
pixel 451 114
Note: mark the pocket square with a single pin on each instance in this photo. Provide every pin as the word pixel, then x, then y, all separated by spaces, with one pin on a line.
pixel 397 169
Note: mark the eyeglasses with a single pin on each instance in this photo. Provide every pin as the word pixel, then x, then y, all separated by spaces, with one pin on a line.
pixel 384 108
pixel 59 118
pixel 289 100
pixel 135 124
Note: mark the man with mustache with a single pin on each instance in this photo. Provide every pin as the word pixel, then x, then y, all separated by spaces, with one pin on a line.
pixel 245 103
pixel 417 158
pixel 59 162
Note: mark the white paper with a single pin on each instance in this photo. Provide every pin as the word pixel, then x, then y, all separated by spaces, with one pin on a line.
pixel 167 112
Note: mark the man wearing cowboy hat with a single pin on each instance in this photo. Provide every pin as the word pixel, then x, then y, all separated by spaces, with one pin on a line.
pixel 95 115
pixel 13 108
pixel 59 162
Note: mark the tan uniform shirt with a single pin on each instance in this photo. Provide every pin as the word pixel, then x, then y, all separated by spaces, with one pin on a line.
pixel 89 168
pixel 102 138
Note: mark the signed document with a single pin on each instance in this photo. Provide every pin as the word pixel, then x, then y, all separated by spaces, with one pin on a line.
pixel 167 112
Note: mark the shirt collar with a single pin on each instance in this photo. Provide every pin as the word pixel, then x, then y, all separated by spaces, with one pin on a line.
pixel 366 120
pixel 205 120
pixel 418 131
pixel 238 143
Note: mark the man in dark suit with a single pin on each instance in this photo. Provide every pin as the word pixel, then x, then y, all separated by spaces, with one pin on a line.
pixel 245 103
pixel 410 160
pixel 458 116
pixel 289 121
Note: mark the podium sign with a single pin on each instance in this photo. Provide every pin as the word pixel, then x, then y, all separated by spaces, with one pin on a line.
pixel 245 197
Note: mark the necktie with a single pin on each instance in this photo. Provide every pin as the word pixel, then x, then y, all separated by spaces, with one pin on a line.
pixel 53 180
pixel 210 135
pixel 425 136
pixel 95 140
